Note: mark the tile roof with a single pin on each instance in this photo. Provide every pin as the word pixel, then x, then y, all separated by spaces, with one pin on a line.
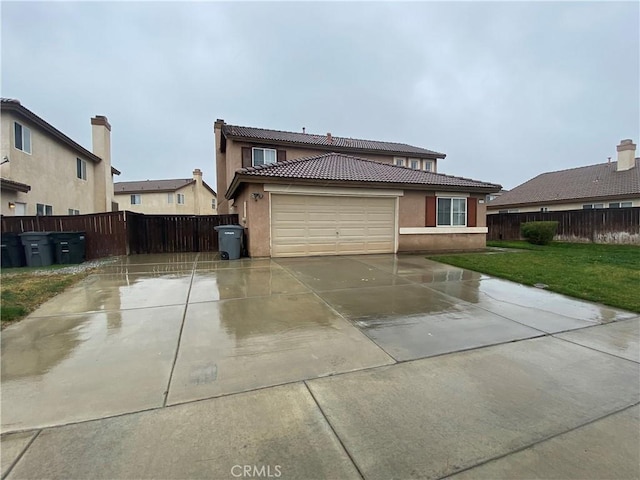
pixel 145 186
pixel 337 143
pixel 338 167
pixel 592 181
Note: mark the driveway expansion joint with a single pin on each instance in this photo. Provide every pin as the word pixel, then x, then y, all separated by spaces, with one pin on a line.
pixel 21 454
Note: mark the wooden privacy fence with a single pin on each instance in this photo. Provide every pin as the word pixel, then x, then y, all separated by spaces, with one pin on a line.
pixel 606 225
pixel 124 233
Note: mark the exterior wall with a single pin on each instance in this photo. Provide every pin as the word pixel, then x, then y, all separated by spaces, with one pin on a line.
pixel 50 170
pixel 197 201
pixel 255 216
pixel 562 206
pixel 444 242
pixel 103 179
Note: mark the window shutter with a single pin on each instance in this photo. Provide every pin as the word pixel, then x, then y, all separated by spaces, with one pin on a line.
pixel 282 155
pixel 430 220
pixel 472 211
pixel 246 157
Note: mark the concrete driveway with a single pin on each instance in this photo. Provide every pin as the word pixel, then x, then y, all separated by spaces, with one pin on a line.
pixel 382 366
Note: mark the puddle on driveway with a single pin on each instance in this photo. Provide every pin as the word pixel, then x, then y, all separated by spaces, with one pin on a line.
pixel 77 367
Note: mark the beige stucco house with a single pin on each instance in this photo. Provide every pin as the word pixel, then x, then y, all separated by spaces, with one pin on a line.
pixel 44 172
pixel 180 196
pixel 300 194
pixel 605 185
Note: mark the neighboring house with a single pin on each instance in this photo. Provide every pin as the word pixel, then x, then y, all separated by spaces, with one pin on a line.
pixel 605 185
pixel 493 196
pixel 307 199
pixel 44 172
pixel 186 196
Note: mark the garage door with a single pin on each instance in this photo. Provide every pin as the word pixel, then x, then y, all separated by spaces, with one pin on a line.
pixel 303 225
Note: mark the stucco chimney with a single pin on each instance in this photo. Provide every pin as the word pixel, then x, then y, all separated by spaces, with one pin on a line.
pixel 103 181
pixel 329 138
pixel 197 175
pixel 626 155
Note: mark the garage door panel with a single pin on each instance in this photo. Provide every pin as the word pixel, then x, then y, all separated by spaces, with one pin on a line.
pixel 324 225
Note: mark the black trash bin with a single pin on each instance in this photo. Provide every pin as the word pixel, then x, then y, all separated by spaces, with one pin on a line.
pixel 69 246
pixel 38 250
pixel 12 251
pixel 230 241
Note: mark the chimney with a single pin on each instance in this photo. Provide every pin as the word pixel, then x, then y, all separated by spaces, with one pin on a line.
pixel 626 155
pixel 218 124
pixel 103 180
pixel 197 191
pixel 329 139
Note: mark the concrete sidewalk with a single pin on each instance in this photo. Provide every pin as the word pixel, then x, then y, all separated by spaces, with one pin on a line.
pixel 376 366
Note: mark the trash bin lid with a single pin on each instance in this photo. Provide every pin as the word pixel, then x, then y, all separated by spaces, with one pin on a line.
pixel 228 227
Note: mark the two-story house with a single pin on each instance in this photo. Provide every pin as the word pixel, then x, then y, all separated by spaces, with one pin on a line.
pixel 301 194
pixel 178 196
pixel 44 172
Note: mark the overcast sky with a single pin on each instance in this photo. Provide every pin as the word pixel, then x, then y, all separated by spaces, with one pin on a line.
pixel 506 90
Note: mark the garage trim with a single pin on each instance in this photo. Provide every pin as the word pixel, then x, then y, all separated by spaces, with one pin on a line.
pixel 334 191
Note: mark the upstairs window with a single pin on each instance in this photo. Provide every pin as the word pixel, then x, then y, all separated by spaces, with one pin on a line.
pixel 22 138
pixel 42 209
pixel 399 161
pixel 136 199
pixel 81 169
pixel 589 206
pixel 213 203
pixel 414 163
pixel 620 204
pixel 452 212
pixel 180 199
pixel 169 197
pixel 73 211
pixel 263 156
pixel 428 166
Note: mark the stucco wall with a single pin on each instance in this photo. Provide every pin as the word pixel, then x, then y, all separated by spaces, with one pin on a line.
pixel 156 203
pixel 442 242
pixel 50 170
pixel 254 215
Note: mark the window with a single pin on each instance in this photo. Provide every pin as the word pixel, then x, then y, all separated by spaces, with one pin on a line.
pixel 22 137
pixel 42 209
pixel 589 206
pixel 399 161
pixel 74 212
pixel 544 209
pixel 414 163
pixel 136 200
pixel 452 212
pixel 169 197
pixel 428 166
pixel 263 156
pixel 213 203
pixel 180 199
pixel 81 169
pixel 620 205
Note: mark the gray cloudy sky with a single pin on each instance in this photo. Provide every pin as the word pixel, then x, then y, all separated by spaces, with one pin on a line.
pixel 506 90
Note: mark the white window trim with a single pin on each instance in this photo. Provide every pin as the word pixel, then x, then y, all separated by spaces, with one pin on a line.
pixel 83 169
pixel 417 161
pixel 180 196
pixel 441 230
pixel 170 198
pixel 253 149
pixel 466 209
pixel 430 163
pixel 401 161
pixel 30 138
pixel 137 196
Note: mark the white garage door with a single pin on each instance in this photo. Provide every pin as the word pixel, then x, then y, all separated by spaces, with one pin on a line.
pixel 303 225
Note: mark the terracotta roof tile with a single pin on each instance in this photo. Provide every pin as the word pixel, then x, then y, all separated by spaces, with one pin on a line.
pixel 592 181
pixel 323 141
pixel 340 167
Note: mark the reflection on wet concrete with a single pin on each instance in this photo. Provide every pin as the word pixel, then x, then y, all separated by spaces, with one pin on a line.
pixel 63 369
pixel 621 338
pixel 237 345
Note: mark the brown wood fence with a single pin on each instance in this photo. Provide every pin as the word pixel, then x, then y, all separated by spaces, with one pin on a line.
pixel 607 225
pixel 123 233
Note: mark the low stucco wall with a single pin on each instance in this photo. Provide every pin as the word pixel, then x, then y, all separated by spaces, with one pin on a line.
pixel 441 242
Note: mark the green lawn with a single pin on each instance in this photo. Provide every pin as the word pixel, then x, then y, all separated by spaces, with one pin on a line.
pixel 22 293
pixel 608 274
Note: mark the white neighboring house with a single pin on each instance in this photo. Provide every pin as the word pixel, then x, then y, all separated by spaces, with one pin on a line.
pixel 184 196
pixel 44 172
pixel 605 185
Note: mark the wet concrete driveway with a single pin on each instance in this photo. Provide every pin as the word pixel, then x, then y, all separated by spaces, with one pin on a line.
pixel 383 366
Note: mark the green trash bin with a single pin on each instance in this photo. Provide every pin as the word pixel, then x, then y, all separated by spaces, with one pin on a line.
pixel 12 251
pixel 38 250
pixel 69 246
pixel 230 241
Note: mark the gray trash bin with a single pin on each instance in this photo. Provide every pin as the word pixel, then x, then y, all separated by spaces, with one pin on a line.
pixel 230 241
pixel 38 249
